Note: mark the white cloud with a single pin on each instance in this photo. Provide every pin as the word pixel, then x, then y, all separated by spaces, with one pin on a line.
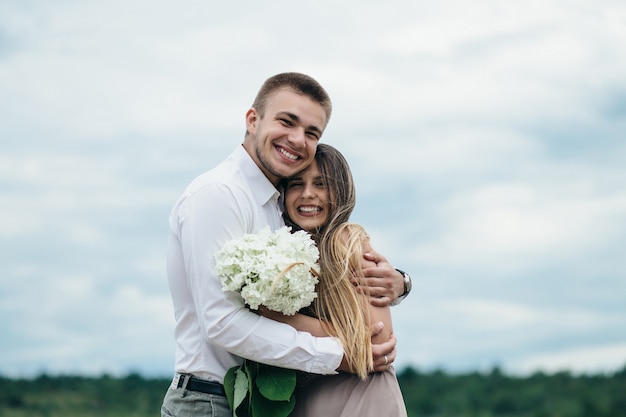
pixel 76 325
pixel 580 359
pixel 488 315
pixel 523 223
pixel 483 332
pixel 485 139
pixel 59 170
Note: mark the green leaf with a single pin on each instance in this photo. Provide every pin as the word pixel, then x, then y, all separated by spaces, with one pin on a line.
pixel 277 384
pixel 241 388
pixel 250 368
pixel 263 407
pixel 229 385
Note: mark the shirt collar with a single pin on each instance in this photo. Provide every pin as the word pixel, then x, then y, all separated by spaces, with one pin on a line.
pixel 261 187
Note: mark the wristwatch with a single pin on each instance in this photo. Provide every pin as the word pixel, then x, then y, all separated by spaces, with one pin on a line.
pixel 407 287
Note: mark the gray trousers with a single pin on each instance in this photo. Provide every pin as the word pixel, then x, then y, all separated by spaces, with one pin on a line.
pixel 181 402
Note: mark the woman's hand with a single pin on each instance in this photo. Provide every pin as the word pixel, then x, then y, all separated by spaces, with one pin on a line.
pixel 384 354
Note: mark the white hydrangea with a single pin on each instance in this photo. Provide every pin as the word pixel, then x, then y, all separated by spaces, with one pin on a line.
pixel 273 269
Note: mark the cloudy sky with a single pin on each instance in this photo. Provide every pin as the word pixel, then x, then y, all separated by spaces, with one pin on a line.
pixel 487 140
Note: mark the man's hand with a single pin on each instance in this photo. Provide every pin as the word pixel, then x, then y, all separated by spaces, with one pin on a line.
pixel 384 282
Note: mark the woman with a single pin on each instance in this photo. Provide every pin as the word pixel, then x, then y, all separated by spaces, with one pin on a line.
pixel 320 201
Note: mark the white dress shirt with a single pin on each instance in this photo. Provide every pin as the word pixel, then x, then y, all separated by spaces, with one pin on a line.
pixel 214 329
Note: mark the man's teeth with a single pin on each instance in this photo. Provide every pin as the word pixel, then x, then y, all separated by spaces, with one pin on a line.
pixel 287 154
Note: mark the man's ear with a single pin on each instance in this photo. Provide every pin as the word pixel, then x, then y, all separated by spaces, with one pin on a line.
pixel 252 118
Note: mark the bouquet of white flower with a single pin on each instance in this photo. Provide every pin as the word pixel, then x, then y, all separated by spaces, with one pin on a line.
pixel 277 270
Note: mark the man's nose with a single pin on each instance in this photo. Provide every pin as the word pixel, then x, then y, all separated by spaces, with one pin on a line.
pixel 297 137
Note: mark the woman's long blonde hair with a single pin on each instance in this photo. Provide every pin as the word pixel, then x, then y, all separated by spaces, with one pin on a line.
pixel 338 303
pixel 343 312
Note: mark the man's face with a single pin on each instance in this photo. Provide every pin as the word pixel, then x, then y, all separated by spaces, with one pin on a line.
pixel 284 140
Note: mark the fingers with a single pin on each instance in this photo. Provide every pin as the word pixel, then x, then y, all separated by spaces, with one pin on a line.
pixel 380 290
pixel 376 272
pixel 385 362
pixel 374 256
pixel 379 295
pixel 383 272
pixel 377 328
pixel 380 301
pixel 384 354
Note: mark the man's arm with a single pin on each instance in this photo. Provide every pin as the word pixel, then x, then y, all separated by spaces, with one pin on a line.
pixel 384 352
pixel 203 228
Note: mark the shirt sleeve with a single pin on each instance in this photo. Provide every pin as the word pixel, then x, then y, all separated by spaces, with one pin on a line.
pixel 204 221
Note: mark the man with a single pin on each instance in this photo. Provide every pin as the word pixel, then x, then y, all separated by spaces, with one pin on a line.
pixel 214 329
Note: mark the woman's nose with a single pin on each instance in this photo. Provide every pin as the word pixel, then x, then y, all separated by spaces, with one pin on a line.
pixel 308 191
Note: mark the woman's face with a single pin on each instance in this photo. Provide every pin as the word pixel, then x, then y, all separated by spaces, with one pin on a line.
pixel 307 199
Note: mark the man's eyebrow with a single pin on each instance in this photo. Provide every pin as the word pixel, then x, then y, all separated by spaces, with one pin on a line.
pixel 296 119
pixel 288 114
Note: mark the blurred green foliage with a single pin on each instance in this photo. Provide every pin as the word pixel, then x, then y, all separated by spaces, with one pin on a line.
pixel 426 394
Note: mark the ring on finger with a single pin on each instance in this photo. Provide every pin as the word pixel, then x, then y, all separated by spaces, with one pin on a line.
pixel 386 360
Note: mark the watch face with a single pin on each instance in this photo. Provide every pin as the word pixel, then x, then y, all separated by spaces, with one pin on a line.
pixel 407 283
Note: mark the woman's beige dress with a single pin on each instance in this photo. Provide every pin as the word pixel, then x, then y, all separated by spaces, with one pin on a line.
pixel 345 395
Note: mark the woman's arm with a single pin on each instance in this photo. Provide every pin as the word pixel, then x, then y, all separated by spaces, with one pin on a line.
pixel 300 322
pixel 377 313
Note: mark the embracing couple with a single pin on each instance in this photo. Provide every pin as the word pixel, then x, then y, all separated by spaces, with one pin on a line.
pixel 348 344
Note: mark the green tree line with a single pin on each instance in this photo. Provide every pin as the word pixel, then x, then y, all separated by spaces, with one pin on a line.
pixel 426 394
